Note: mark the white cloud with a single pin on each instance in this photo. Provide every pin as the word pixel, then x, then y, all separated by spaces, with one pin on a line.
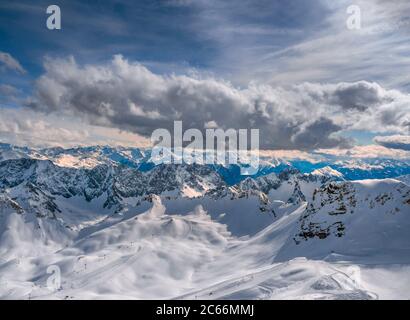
pixel 394 142
pixel 27 128
pixel 311 42
pixel 11 63
pixel 368 151
pixel 7 90
pixel 128 96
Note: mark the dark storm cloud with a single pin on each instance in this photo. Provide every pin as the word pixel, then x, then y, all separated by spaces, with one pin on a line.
pixel 319 134
pixel 359 95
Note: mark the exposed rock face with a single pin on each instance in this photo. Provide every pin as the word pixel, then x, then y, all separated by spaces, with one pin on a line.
pixel 297 196
pixel 9 205
pixel 334 203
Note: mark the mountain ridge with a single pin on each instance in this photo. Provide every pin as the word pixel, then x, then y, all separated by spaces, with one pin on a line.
pixel 116 231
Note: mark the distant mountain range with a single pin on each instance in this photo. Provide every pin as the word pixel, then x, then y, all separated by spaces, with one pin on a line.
pixel 140 158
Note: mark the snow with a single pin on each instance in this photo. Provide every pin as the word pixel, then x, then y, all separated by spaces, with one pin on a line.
pixel 70 161
pixel 375 224
pixel 405 179
pixel 327 171
pixel 156 255
pixel 180 232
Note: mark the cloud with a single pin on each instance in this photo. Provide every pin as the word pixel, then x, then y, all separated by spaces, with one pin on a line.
pixel 358 95
pixel 7 90
pixel 268 41
pixel 320 133
pixel 178 3
pixel 8 94
pixel 25 127
pixel 309 41
pixel 362 105
pixel 394 142
pixel 368 151
pixel 7 61
pixel 126 95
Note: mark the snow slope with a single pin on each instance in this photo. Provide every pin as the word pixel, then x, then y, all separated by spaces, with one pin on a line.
pixel 161 253
pixel 405 179
pixel 117 227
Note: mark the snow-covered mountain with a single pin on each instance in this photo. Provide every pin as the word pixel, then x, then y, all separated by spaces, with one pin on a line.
pixel 121 228
pixel 327 172
pixel 140 158
pixel 405 179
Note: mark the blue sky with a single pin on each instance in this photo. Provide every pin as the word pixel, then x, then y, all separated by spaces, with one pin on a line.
pixel 161 33
pixel 267 53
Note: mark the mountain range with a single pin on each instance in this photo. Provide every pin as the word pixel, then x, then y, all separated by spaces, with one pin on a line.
pixel 119 226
